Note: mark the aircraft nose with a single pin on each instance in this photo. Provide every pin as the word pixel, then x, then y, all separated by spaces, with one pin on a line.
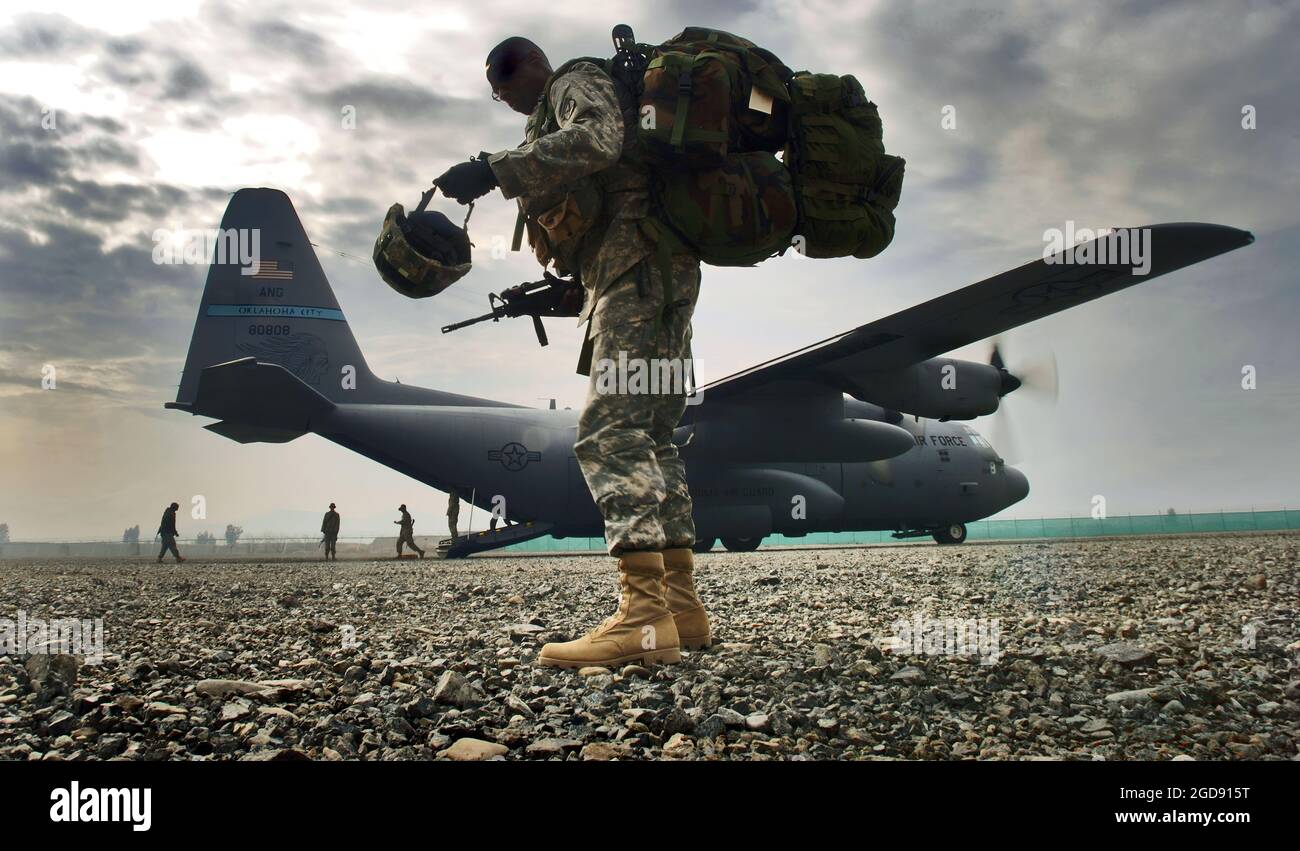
pixel 1015 484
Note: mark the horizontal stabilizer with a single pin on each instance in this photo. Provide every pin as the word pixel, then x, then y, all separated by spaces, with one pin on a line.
pixel 257 398
pixel 242 433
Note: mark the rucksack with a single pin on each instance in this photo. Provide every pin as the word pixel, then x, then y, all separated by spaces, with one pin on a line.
pixel 711 110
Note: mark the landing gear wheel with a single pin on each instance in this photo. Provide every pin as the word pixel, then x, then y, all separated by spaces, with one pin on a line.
pixel 954 533
pixel 703 545
pixel 741 545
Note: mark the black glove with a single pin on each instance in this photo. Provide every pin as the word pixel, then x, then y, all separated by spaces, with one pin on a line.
pixel 467 181
pixel 571 301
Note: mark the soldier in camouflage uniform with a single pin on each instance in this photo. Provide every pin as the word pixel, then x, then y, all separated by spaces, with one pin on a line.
pixel 329 529
pixel 406 532
pixel 587 208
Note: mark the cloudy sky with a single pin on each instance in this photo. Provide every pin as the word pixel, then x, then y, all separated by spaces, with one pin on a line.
pixel 1109 113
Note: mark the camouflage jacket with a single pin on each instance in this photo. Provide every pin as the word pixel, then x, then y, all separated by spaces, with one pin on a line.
pixel 574 142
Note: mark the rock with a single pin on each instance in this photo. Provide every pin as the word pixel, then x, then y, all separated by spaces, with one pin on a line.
pixel 420 707
pixel 635 671
pixel 1127 654
pixel 823 655
pixel 678 746
pixel 52 674
pixel 159 708
pixel 521 631
pixel 863 668
pixel 234 710
pixel 471 750
pixel 1140 695
pixel 551 747
pixel 711 728
pixel 1128 629
pixel 909 675
pixel 731 718
pixel 129 703
pixel 60 723
pixel 677 721
pixel 593 671
pixel 1258 582
pixel 758 721
pixel 828 726
pixel 1268 708
pixel 455 690
pixel 276 755
pixel 226 688
pixel 602 751
pixel 518 706
pixel 289 686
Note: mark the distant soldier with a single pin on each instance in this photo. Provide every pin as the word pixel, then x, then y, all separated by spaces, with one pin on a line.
pixel 453 512
pixel 407 537
pixel 329 527
pixel 167 531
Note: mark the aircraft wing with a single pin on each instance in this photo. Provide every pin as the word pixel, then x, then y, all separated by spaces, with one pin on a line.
pixel 975 313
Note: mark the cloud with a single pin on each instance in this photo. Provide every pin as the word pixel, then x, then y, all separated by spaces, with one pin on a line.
pixel 1120 112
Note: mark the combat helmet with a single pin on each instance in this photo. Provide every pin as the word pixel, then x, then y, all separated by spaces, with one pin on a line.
pixel 423 253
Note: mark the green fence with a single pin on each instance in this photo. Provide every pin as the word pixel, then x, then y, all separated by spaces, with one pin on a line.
pixel 1011 530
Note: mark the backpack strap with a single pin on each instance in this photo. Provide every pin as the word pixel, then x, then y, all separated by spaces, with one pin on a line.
pixel 665 243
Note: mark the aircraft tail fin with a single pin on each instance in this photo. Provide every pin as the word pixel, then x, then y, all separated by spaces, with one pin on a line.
pixel 267 298
pixel 278 309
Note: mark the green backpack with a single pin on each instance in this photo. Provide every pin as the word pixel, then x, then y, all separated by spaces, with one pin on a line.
pixel 847 186
pixel 707 112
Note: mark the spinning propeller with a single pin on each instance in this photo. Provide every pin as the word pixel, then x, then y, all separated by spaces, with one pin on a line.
pixel 1039 377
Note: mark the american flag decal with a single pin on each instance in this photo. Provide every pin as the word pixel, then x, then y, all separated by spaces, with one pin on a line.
pixel 272 270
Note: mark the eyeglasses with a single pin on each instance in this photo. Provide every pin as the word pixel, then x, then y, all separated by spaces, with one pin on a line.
pixel 499 75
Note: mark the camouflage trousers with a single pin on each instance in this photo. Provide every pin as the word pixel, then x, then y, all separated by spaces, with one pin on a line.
pixel 636 397
pixel 169 543
pixel 407 537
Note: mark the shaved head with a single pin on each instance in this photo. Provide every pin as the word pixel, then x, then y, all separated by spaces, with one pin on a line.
pixel 517 70
pixel 504 59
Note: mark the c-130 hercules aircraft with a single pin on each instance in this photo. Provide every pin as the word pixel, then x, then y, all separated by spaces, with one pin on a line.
pixel 857 432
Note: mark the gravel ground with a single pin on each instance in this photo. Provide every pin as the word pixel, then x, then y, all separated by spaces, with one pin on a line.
pixel 1156 648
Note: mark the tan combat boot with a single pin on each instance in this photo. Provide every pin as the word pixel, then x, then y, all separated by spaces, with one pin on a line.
pixel 683 602
pixel 642 630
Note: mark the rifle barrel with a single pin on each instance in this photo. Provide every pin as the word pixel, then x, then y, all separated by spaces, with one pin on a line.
pixel 456 326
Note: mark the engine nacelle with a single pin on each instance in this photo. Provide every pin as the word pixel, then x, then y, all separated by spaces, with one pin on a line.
pixel 939 388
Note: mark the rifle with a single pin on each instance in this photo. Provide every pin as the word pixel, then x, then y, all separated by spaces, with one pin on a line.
pixel 551 296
